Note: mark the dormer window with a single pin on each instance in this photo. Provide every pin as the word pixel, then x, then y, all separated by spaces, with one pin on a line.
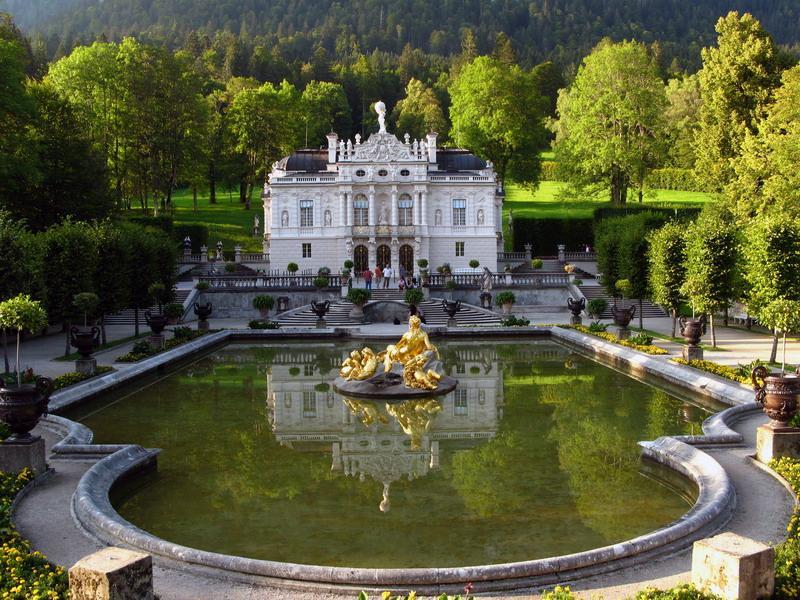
pixel 360 173
pixel 383 173
pixel 405 173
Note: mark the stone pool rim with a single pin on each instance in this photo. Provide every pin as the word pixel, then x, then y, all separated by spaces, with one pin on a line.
pixel 716 498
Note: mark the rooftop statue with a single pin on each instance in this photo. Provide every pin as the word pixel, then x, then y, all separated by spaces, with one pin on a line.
pixel 380 108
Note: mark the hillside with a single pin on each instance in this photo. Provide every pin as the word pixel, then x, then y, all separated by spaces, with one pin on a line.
pixel 559 30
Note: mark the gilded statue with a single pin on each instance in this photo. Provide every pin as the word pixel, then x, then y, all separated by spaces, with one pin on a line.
pixel 415 417
pixel 360 365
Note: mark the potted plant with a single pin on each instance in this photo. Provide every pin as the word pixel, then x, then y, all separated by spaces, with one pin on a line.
pixel 230 268
pixel 292 268
pixel 506 300
pixel 202 285
pixel 320 282
pixel 159 293
pixel 623 316
pixel 173 311
pixel 414 297
pixel 596 307
pixel 474 263
pixel 422 263
pixel 84 339
pixel 778 393
pixel 359 297
pixel 450 285
pixel 263 304
pixel 21 405
pixel 536 263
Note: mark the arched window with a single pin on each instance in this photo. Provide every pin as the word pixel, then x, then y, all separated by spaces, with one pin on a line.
pixel 360 211
pixel 405 209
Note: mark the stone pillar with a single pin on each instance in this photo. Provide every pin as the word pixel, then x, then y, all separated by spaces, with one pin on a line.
pixel 187 248
pixel 332 139
pixel 424 208
pixel 394 247
pixel 562 257
pixel 732 566
pixel 431 137
pixel 237 253
pixel 529 251
pixel 342 209
pixel 774 441
pixel 371 215
pixel 15 456
pixel 417 210
pixel 394 207
pixel 203 254
pixel 112 574
pixel 372 258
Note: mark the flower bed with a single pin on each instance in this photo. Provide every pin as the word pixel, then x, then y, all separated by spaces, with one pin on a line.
pixel 787 554
pixel 715 368
pixel 143 349
pixel 24 574
pixel 72 378
pixel 610 337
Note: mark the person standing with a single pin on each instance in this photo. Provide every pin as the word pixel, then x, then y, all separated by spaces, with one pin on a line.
pixel 387 275
pixel 367 279
pixel 378 276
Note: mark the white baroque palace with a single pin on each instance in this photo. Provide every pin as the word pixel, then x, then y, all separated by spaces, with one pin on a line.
pixel 382 202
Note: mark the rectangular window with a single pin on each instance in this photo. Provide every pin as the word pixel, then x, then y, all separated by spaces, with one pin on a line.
pixel 459 213
pixel 361 213
pixel 306 250
pixel 306 213
pixel 309 405
pixel 405 208
pixel 459 248
pixel 460 408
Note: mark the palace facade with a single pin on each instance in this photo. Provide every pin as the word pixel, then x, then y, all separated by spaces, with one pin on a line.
pixel 383 201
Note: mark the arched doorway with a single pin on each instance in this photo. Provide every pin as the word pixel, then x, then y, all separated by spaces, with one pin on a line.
pixel 407 258
pixel 360 258
pixel 384 255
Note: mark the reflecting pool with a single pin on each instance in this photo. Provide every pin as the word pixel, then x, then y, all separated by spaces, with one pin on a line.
pixel 533 455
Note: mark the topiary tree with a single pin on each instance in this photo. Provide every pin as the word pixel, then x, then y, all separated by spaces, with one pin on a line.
pixel 359 296
pixel 771 265
pixel 666 256
pixel 111 279
pixel 712 252
pixel 21 313
pixel 474 263
pixel 414 296
pixel 86 303
pixel 292 267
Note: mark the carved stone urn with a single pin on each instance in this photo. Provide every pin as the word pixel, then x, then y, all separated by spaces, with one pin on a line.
pixel 157 323
pixel 576 306
pixel 320 309
pixel 84 339
pixel 21 406
pixel 451 308
pixel 777 394
pixel 623 316
pixel 691 330
pixel 203 311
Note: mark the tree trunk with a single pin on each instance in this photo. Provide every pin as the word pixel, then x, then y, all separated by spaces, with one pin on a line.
pixel 725 317
pixel 104 340
pixel 713 331
pixel 19 377
pixel 774 352
pixel 674 320
pixel 242 191
pixel 212 183
pixel 5 351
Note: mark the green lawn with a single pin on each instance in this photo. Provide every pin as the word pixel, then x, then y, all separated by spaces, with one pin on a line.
pixel 227 220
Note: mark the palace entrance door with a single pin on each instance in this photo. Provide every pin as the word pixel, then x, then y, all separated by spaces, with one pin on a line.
pixel 360 258
pixel 384 256
pixel 407 258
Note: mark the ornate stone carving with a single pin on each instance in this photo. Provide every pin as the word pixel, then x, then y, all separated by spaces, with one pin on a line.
pixel 382 147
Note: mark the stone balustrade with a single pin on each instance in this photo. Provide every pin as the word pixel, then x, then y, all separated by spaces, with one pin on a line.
pixel 233 282
pixel 469 280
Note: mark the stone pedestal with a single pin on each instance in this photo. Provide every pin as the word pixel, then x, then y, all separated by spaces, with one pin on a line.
pixel 156 341
pixel 575 320
pixel 15 456
pixel 733 566
pixel 202 325
pixel 112 574
pixel 773 441
pixel 692 353
pixel 321 324
pixel 451 322
pixel 86 366
pixel 623 333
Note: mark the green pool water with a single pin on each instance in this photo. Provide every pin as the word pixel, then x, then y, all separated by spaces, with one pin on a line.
pixel 533 455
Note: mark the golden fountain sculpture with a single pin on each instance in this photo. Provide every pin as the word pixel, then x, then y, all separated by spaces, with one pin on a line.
pixel 413 351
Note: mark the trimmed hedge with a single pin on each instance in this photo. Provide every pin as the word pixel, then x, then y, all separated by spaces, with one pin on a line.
pixel 668 212
pixel 547 234
pixel 668 178
pixel 162 222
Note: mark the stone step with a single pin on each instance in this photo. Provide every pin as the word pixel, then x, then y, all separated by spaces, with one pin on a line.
pixel 128 315
pixel 595 291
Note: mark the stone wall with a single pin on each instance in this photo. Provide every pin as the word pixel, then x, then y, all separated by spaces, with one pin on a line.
pixel 238 304
pixel 525 296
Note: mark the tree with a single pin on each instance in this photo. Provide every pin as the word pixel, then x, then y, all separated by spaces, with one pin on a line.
pixel 548 80
pixel 324 108
pixel 712 255
pixel 419 112
pixel 771 264
pixel 683 96
pixel 737 80
pixel 611 120
pixel 504 50
pixel 497 113
pixel 767 174
pixel 667 255
pixel 633 265
pixel 111 275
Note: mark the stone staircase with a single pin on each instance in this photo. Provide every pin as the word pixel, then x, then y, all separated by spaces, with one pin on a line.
pixel 339 313
pixel 549 265
pixel 649 309
pixel 128 316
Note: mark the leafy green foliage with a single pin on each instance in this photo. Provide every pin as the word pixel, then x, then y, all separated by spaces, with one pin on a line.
pixel 292 267
pixel 414 296
pixel 610 337
pixel 596 306
pixel 641 339
pixel 787 554
pixel 514 321
pixel 597 326
pixel 358 296
pixel 261 324
pixel 687 591
pixel 504 297
pixel 263 302
pixel 21 313
pixel 497 113
pixel 420 113
pixel 143 349
pixel 666 256
pixel 715 368
pixel 68 379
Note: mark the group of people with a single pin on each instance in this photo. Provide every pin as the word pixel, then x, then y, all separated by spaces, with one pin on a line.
pixel 382 276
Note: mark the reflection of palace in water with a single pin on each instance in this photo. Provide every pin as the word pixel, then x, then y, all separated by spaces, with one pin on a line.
pixel 373 439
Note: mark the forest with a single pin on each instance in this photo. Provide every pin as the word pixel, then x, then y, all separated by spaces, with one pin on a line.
pixel 291 31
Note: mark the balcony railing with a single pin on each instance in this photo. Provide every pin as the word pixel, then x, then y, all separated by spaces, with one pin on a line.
pixel 228 282
pixel 464 280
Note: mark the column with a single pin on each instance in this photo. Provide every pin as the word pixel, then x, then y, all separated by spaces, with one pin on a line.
pixel 371 215
pixel 394 207
pixel 342 208
pixel 372 258
pixel 424 208
pixel 416 212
